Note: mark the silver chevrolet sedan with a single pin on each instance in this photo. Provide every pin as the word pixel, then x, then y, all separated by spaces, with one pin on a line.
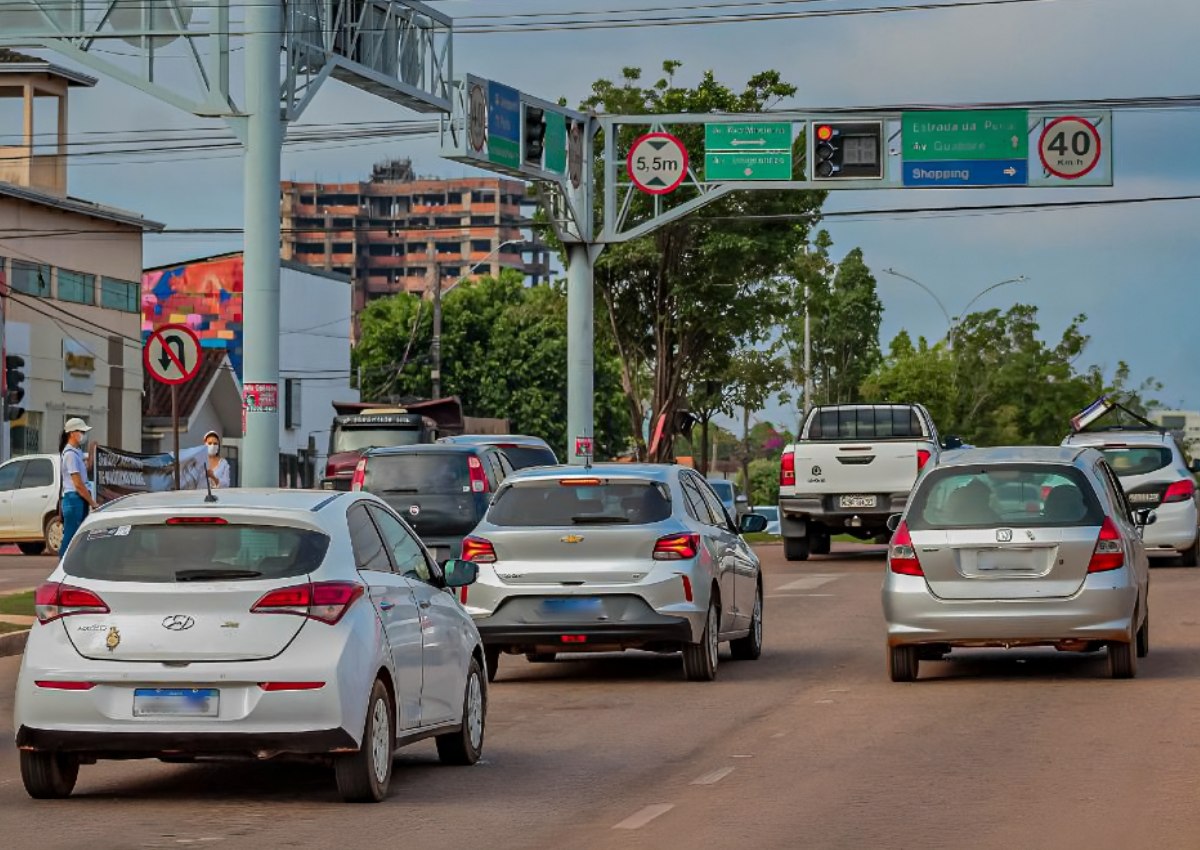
pixel 1015 547
pixel 614 557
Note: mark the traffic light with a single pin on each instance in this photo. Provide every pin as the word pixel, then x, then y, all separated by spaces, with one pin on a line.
pixel 847 150
pixel 13 389
pixel 534 136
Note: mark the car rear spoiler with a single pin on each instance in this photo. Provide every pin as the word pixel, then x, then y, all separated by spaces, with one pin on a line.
pixel 1103 406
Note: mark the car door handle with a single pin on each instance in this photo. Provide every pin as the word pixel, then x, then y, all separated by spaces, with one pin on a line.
pixel 386 606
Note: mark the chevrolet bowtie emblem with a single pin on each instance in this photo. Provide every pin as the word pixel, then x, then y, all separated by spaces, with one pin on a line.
pixel 572 538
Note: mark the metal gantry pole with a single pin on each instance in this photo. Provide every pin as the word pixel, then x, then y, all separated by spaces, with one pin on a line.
pixel 264 142
pixel 808 381
pixel 580 347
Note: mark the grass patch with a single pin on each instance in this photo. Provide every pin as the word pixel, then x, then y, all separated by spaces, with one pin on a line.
pixel 762 537
pixel 17 603
pixel 11 627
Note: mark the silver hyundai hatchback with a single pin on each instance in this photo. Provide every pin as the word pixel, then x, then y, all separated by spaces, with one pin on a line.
pixel 1015 547
pixel 614 557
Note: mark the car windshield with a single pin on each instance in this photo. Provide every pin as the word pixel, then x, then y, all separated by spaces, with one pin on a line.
pixel 433 474
pixel 1032 495
pixel 194 552
pixel 771 514
pixel 523 457
pixel 865 423
pixel 1128 461
pixel 557 503
pixel 356 439
pixel 723 489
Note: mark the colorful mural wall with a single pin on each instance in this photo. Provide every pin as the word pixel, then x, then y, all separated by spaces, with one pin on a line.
pixel 205 295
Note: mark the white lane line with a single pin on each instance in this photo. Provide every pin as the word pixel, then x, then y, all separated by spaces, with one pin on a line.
pixel 807 582
pixel 780 735
pixel 640 819
pixel 713 776
pixel 800 595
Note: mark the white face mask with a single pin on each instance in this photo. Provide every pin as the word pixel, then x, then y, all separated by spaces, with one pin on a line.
pixel 213 448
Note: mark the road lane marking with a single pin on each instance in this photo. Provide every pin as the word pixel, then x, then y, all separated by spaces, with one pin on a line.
pixel 808 582
pixel 640 819
pixel 713 776
pixel 800 595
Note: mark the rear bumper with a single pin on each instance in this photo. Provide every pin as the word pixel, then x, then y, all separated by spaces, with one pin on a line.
pixel 1102 610
pixel 520 624
pixel 1174 529
pixel 795 511
pixel 151 744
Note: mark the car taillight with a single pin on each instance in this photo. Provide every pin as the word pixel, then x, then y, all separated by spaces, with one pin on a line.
pixel 196 520
pixel 479 482
pixel 1109 553
pixel 478 550
pixel 1180 491
pixel 923 457
pixel 787 470
pixel 291 686
pixel 360 475
pixel 54 600
pixel 902 555
pixel 63 685
pixel 676 547
pixel 326 601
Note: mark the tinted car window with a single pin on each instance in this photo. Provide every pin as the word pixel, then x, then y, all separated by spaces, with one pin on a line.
pixel 701 510
pixel 9 474
pixel 1017 494
pixel 522 457
pixel 554 503
pixel 407 554
pixel 840 423
pixel 440 474
pixel 171 553
pixel 369 552
pixel 1137 460
pixel 38 473
pixel 723 489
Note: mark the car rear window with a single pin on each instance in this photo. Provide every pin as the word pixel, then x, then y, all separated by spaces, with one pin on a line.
pixel 434 474
pixel 1032 495
pixel 1128 461
pixel 606 503
pixel 523 457
pixel 194 552
pixel 865 423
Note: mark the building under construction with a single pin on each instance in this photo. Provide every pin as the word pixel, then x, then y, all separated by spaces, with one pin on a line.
pixel 397 232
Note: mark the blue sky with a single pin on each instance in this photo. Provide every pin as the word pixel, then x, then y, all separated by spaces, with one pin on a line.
pixel 1131 269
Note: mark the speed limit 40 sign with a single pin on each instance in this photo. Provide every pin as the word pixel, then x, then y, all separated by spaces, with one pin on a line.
pixel 1070 147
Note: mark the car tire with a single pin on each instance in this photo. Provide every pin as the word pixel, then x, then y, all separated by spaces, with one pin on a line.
pixel 821 544
pixel 749 648
pixel 464 746
pixel 491 655
pixel 1190 556
pixel 33 547
pixel 364 776
pixel 700 659
pixel 904 663
pixel 53 535
pixel 1143 637
pixel 795 548
pixel 49 776
pixel 540 657
pixel 1122 660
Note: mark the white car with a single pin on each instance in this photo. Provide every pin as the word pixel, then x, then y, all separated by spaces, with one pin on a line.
pixel 771 512
pixel 29 492
pixel 1154 474
pixel 266 623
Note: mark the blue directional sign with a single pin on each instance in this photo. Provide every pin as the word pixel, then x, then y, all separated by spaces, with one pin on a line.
pixel 504 125
pixel 978 172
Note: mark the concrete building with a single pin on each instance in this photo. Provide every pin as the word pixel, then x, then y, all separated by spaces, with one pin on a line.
pixel 69 270
pixel 396 232
pixel 1185 424
pixel 314 355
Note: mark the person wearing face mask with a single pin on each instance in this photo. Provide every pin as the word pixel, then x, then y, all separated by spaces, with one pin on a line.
pixel 76 496
pixel 215 466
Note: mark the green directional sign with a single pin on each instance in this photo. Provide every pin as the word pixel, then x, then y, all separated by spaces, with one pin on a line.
pixel 555 144
pixel 978 134
pixel 748 151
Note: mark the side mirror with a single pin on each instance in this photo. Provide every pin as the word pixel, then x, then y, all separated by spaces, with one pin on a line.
pixel 752 524
pixel 460 573
pixel 893 522
pixel 951 443
pixel 1145 516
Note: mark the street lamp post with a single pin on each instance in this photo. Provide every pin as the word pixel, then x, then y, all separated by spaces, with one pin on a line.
pixel 952 322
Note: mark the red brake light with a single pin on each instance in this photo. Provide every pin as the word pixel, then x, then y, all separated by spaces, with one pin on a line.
pixel 360 475
pixel 326 601
pixel 59 685
pixel 478 550
pixel 902 556
pixel 54 600
pixel 291 686
pixel 923 457
pixel 1109 553
pixel 687 588
pixel 1180 491
pixel 677 547
pixel 479 482
pixel 196 520
pixel 574 638
pixel 787 470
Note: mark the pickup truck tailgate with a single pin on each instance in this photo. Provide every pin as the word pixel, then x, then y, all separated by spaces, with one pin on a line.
pixel 856 467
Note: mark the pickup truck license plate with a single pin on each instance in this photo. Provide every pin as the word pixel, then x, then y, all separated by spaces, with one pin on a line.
pixel 857 501
pixel 176 702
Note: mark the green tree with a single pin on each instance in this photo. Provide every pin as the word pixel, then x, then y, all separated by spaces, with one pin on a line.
pixel 764 482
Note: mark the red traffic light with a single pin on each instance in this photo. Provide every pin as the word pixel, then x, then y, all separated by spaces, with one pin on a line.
pixel 824 132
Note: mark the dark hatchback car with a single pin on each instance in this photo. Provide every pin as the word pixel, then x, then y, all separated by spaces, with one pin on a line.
pixel 522 451
pixel 441 489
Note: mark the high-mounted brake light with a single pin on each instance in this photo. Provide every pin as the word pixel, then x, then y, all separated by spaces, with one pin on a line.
pixel 1180 491
pixel 196 520
pixel 902 555
pixel 326 601
pixel 676 547
pixel 787 470
pixel 1109 553
pixel 479 550
pixel 479 481
pixel 360 475
pixel 55 600
pixel 579 482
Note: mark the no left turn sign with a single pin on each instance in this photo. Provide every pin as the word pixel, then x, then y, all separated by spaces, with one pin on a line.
pixel 172 354
pixel 1069 147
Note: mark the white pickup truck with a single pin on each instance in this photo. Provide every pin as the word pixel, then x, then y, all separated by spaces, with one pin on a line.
pixel 852 467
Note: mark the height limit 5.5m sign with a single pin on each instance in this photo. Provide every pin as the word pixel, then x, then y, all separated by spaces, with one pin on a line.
pixel 657 163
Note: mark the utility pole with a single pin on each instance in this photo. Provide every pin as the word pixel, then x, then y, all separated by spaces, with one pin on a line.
pixel 435 347
pixel 808 382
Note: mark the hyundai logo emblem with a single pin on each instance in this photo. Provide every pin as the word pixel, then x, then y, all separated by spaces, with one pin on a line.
pixel 178 623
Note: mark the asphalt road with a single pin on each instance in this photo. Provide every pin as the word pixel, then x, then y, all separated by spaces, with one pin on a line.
pixel 23 572
pixel 809 747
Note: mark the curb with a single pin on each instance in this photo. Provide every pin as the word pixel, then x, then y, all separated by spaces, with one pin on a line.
pixel 13 643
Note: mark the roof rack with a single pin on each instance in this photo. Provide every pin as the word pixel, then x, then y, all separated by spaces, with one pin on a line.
pixel 1105 405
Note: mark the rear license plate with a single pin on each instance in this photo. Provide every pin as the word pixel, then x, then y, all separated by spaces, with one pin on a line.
pixel 176 702
pixel 1143 497
pixel 571 605
pixel 857 501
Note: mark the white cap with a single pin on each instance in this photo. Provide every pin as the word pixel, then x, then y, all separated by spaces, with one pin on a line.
pixel 76 424
pixel 212 434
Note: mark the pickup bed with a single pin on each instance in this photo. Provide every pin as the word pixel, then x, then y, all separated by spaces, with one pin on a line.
pixel 852 467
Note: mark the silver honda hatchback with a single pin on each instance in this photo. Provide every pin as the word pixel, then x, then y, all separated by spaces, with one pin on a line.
pixel 1016 547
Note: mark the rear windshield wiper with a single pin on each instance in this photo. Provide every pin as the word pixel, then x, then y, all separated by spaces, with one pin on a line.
pixel 214 575
pixel 597 520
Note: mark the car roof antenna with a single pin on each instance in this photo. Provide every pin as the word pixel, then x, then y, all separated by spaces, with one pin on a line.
pixel 208 483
